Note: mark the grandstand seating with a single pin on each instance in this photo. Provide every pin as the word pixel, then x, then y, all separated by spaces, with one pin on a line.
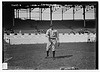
pixel 41 39
pixel 26 31
pixel 63 24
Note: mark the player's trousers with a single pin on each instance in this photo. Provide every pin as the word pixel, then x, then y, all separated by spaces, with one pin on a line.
pixel 51 44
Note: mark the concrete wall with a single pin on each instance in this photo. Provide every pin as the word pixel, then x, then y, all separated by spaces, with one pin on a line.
pixel 41 39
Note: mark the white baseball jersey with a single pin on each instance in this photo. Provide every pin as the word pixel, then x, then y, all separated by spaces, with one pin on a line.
pixel 52 34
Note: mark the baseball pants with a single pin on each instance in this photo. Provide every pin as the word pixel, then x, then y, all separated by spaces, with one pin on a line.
pixel 51 44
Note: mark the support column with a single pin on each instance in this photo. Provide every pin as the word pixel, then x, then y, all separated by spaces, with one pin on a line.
pixel 51 15
pixel 18 12
pixel 62 12
pixel 13 18
pixel 73 11
pixel 95 15
pixel 94 12
pixel 29 13
pixel 41 13
pixel 84 14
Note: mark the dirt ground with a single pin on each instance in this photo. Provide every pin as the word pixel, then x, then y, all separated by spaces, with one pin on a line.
pixel 25 57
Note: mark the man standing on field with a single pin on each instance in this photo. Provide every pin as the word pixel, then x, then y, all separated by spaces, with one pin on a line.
pixel 53 39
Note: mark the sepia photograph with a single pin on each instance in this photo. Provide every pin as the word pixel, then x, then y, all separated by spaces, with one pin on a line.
pixel 50 35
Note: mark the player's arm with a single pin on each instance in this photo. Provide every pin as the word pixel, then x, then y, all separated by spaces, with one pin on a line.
pixel 58 38
pixel 47 33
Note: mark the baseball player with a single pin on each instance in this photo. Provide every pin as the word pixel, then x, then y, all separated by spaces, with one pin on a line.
pixel 53 39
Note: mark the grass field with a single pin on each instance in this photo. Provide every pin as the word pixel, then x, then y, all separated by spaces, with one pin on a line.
pixel 80 55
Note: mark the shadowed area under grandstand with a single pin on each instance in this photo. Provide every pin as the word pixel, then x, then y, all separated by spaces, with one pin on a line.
pixel 32 56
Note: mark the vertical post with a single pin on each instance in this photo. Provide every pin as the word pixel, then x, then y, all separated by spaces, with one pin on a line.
pixel 13 16
pixel 84 14
pixel 94 12
pixel 29 13
pixel 95 15
pixel 73 11
pixel 41 13
pixel 13 22
pixel 18 13
pixel 62 12
pixel 51 15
